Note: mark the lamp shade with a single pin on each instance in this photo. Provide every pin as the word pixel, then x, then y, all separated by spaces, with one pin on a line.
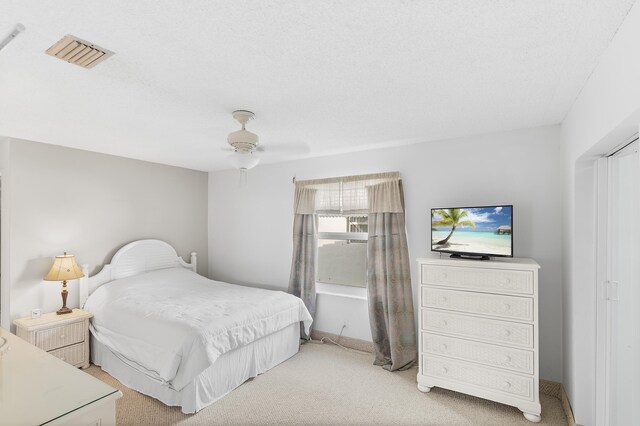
pixel 244 160
pixel 64 268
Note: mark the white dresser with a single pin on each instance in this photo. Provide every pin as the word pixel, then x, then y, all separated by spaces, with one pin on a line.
pixel 479 329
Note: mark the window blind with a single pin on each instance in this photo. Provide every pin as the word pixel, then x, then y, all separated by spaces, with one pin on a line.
pixel 343 195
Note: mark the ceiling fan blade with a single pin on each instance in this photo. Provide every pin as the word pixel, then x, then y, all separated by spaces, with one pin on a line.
pixel 285 148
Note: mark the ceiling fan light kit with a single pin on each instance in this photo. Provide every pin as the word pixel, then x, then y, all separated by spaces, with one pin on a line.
pixel 244 144
pixel 244 160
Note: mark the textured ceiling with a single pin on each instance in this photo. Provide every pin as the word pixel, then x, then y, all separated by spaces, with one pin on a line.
pixel 322 77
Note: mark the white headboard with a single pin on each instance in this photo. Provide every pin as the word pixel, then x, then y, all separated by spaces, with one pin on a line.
pixel 133 259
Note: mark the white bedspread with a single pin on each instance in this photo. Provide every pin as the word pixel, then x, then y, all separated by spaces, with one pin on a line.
pixel 172 324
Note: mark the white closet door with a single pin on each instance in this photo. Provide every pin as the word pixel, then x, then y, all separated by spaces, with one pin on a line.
pixel 623 289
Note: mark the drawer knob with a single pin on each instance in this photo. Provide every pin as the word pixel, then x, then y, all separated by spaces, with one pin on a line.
pixel 444 370
pixel 506 333
pixel 506 306
pixel 507 384
pixel 443 347
pixel 506 359
pixel 443 299
pixel 505 280
pixel 62 336
pixel 443 323
pixel 443 276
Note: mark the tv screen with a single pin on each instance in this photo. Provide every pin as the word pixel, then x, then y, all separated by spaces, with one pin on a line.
pixel 481 232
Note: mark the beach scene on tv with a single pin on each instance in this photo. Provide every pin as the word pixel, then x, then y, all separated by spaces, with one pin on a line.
pixel 481 230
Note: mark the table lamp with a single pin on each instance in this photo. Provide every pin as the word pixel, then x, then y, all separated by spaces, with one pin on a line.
pixel 64 268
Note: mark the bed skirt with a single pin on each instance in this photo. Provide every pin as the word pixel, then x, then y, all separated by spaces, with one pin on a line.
pixel 228 372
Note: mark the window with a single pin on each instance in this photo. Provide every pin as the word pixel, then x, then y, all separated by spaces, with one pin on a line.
pixel 358 223
pixel 341 205
pixel 342 249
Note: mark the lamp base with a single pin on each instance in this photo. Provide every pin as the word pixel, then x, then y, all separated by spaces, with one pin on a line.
pixel 64 293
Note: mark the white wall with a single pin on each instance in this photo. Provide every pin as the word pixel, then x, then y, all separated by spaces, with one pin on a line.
pixel 250 229
pixel 4 236
pixel 90 204
pixel 606 112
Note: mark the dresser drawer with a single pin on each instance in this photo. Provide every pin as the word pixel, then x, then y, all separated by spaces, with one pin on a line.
pixel 496 356
pixel 64 335
pixel 73 354
pixel 500 281
pixel 511 307
pixel 497 331
pixel 490 379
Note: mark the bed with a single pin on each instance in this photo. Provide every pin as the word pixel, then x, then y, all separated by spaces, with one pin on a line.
pixel 165 331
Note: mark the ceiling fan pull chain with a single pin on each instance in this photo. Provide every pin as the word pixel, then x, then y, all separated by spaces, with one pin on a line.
pixel 243 178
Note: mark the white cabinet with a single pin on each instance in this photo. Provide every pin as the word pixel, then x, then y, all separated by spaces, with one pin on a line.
pixel 479 330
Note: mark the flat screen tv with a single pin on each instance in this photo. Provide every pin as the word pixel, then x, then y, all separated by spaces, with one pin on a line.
pixel 473 232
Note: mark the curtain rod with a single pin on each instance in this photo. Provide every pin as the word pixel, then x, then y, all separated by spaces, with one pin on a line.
pixel 384 175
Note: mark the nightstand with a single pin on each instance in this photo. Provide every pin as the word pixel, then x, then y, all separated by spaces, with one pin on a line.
pixel 63 336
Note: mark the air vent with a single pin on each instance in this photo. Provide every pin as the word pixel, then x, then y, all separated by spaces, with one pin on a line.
pixel 79 52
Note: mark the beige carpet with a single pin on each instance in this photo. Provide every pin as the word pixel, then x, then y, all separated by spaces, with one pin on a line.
pixel 324 384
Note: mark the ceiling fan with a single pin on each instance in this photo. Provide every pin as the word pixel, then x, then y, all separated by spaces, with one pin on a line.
pixel 246 151
pixel 244 143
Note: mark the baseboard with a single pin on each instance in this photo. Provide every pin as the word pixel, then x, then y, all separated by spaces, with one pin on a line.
pixel 347 342
pixel 571 421
pixel 555 389
pixel 548 387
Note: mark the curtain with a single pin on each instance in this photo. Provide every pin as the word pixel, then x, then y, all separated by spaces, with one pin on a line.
pixel 302 281
pixel 343 195
pixel 389 279
pixel 388 275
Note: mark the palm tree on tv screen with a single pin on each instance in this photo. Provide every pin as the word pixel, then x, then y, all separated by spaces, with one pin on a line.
pixel 452 218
